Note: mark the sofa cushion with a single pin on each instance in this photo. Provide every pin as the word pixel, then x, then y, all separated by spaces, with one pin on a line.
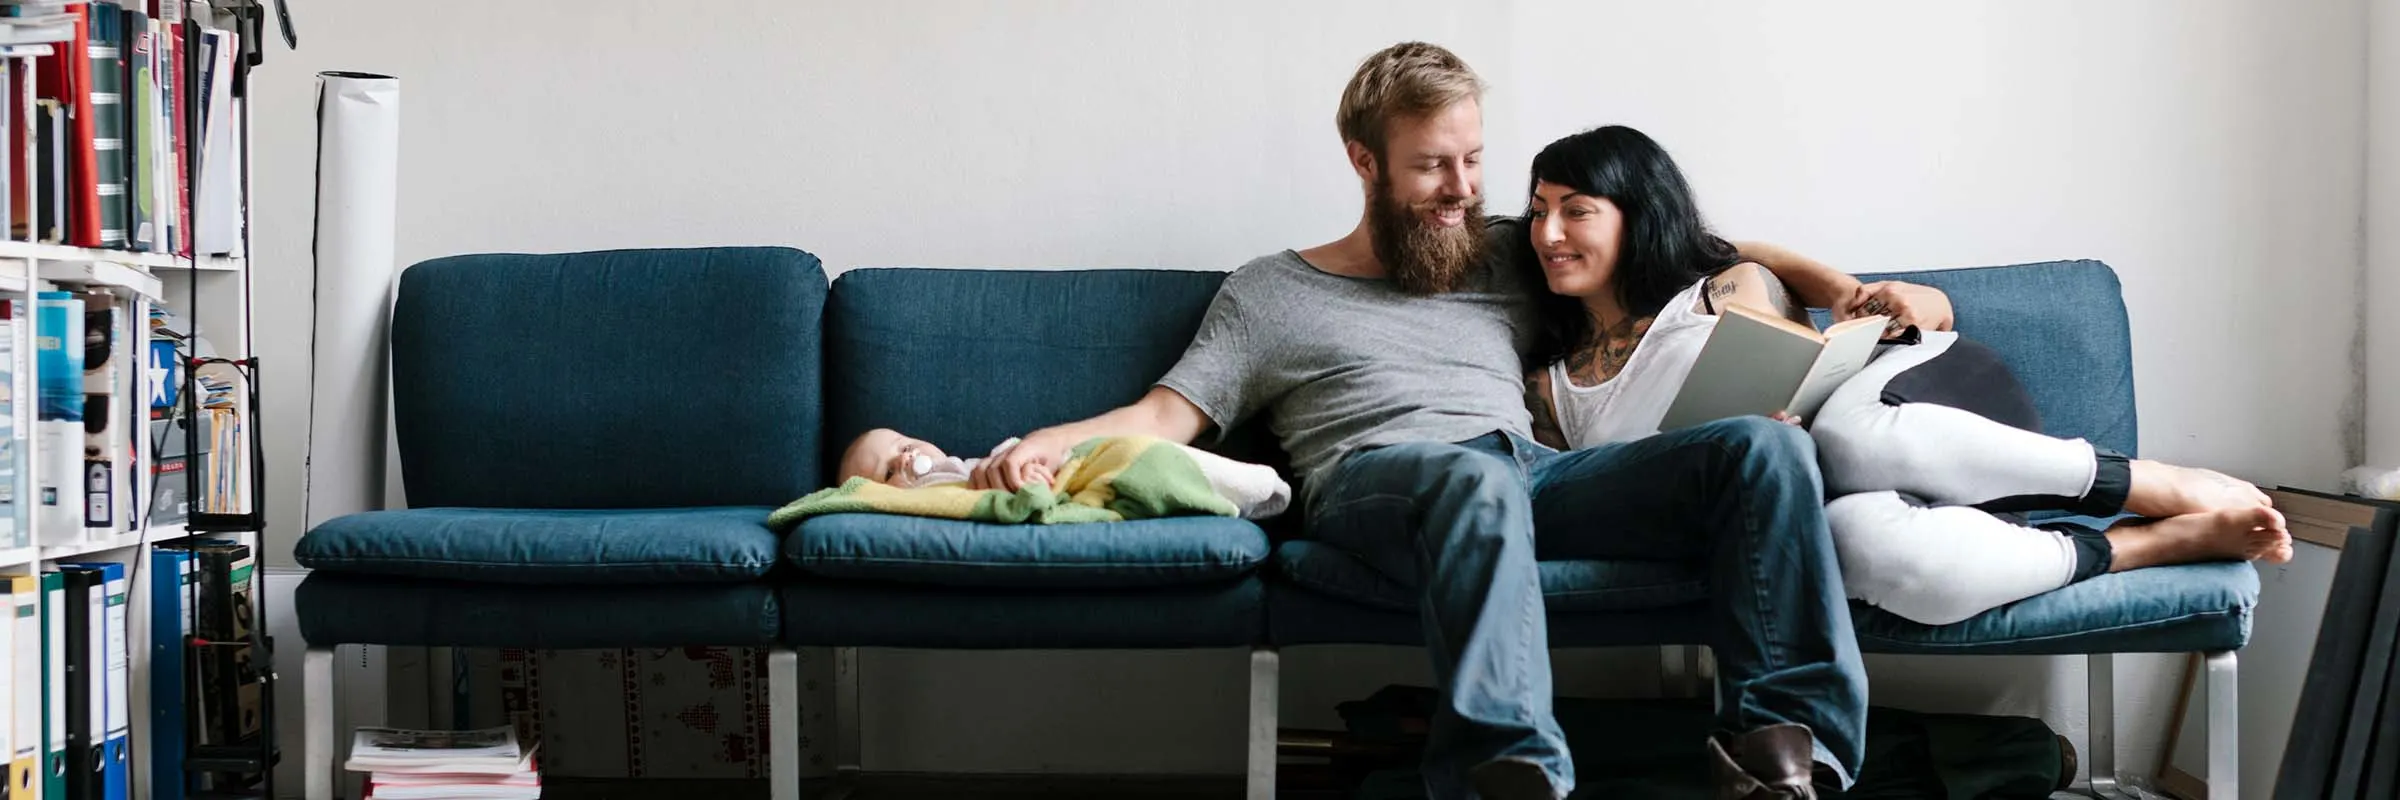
pixel 944 552
pixel 1566 585
pixel 335 608
pixel 582 380
pixel 967 358
pixel 2182 609
pixel 537 546
pixel 2061 328
pixel 870 614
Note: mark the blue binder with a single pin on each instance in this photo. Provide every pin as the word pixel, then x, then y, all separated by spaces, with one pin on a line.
pixel 115 770
pixel 172 573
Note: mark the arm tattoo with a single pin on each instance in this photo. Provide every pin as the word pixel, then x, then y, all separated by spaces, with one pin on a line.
pixel 1719 287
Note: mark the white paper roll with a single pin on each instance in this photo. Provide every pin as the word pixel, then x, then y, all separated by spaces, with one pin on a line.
pixel 358 171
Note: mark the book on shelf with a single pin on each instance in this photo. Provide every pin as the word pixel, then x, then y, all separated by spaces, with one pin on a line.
pixel 222 412
pixel 130 111
pixel 25 682
pixel 58 475
pixel 12 534
pixel 55 678
pixel 173 614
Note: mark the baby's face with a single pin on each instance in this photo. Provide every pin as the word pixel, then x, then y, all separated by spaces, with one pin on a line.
pixel 882 455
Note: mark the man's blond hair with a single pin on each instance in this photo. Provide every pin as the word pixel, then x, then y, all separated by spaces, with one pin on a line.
pixel 1403 81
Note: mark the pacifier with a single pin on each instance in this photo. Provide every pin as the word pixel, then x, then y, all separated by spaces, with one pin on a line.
pixel 925 470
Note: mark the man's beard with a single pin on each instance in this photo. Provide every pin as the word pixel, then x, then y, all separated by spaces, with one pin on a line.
pixel 1425 259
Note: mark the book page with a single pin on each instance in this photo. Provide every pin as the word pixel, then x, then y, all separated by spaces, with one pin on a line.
pixel 1753 363
pixel 1848 347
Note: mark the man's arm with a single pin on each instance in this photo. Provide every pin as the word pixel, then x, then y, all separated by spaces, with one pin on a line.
pixel 1815 283
pixel 1545 420
pixel 1162 412
pixel 1819 285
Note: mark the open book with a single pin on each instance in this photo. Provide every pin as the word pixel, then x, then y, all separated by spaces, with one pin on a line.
pixel 1758 363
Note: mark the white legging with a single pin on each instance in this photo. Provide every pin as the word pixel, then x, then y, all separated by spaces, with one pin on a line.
pixel 1940 564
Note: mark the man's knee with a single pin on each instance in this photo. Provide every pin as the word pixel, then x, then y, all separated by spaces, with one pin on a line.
pixel 1760 441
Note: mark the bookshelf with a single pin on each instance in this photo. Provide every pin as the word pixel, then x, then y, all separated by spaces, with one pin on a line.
pixel 199 277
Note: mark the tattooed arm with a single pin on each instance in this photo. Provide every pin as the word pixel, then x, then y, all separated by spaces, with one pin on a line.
pixel 1545 418
pixel 1754 286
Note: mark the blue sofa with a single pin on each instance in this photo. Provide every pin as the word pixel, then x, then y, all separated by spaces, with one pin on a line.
pixel 591 443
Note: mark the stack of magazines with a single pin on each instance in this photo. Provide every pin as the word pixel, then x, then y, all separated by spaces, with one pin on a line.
pixel 486 764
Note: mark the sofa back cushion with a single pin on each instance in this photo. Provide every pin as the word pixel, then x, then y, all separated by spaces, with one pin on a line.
pixel 618 379
pixel 2061 327
pixel 967 358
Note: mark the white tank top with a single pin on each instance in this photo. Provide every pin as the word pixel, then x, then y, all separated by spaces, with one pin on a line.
pixel 1630 405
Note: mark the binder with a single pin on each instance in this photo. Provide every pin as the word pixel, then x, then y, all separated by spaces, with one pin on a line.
pixel 107 26
pixel 112 718
pixel 25 685
pixel 143 225
pixel 87 687
pixel 58 490
pixel 11 703
pixel 54 686
pixel 172 574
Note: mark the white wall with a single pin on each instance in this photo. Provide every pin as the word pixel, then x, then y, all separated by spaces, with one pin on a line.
pixel 2382 273
pixel 2210 151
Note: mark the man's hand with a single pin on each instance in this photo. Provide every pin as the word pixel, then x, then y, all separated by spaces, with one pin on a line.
pixel 1036 459
pixel 1906 303
pixel 1033 460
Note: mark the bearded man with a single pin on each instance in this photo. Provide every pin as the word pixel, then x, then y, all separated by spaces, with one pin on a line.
pixel 1390 362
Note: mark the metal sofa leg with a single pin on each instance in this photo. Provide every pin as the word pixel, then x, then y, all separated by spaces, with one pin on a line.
pixel 783 723
pixel 2100 715
pixel 317 751
pixel 1679 670
pixel 1266 698
pixel 2224 743
pixel 848 759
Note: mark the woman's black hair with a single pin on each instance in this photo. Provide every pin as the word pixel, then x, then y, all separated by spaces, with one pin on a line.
pixel 1665 246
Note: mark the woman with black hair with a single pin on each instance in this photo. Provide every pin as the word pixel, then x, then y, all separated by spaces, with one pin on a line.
pixel 1926 452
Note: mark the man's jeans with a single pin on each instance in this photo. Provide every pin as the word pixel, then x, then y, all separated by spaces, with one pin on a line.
pixel 1741 496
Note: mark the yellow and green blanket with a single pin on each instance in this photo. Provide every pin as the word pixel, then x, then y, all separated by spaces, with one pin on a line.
pixel 1107 479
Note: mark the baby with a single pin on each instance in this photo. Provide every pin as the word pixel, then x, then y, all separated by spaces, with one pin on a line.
pixel 888 457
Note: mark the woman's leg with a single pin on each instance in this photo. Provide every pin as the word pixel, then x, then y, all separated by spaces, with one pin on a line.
pixel 1943 421
pixel 1944 564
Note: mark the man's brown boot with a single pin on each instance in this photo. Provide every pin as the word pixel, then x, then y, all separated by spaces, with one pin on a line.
pixel 1770 763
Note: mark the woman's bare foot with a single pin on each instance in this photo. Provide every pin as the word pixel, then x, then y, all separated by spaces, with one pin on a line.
pixel 2233 534
pixel 2165 490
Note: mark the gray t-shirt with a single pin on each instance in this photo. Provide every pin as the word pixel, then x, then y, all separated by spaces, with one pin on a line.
pixel 1345 363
